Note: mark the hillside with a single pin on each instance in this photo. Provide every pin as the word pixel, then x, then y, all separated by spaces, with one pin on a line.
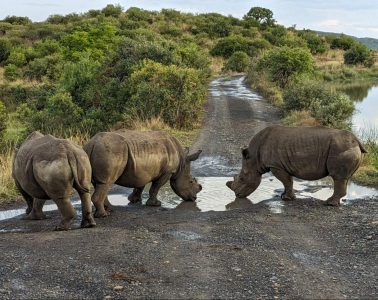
pixel 372 43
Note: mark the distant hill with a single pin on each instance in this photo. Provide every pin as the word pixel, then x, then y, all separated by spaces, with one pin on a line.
pixel 369 42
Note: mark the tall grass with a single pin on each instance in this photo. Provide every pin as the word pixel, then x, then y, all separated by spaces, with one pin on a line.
pixel 368 171
pixel 7 185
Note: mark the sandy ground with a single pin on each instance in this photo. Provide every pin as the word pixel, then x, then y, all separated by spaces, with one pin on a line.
pixel 306 251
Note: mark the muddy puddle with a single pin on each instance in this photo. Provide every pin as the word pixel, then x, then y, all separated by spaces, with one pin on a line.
pixel 234 87
pixel 215 196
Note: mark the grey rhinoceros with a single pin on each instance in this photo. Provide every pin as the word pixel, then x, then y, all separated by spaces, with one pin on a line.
pixel 308 153
pixel 45 167
pixel 133 159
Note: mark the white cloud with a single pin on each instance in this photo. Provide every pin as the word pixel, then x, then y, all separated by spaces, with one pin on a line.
pixel 333 23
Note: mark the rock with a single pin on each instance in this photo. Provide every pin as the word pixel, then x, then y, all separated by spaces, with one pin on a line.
pixel 118 288
pixel 369 237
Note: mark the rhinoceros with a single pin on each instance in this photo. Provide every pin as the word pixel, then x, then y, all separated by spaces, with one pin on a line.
pixel 133 159
pixel 308 153
pixel 45 167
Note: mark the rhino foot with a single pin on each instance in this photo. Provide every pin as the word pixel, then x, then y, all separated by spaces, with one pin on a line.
pixel 332 202
pixel 134 199
pixel 287 197
pixel 35 216
pixel 88 223
pixel 153 202
pixel 101 214
pixel 62 227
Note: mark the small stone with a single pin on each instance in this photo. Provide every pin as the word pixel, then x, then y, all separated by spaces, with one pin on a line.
pixel 118 288
pixel 108 297
pixel 369 237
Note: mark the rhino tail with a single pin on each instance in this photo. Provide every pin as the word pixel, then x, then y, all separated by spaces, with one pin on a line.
pixel 75 168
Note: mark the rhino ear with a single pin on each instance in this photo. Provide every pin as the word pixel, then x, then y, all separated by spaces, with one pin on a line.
pixel 245 152
pixel 194 156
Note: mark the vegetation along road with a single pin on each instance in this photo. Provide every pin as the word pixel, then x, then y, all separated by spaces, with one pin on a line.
pixel 302 250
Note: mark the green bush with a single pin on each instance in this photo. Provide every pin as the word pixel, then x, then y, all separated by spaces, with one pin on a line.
pixel 192 56
pixel 331 108
pixel 284 64
pixel 261 16
pixel 112 10
pixel 47 66
pixel 11 72
pixel 227 46
pixel 14 20
pixel 172 93
pixel 17 57
pixel 5 49
pixel 342 42
pixel 238 62
pixel 59 112
pixel 315 43
pixel 358 54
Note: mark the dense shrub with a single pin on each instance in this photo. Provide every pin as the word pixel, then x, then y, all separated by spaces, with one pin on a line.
pixel 342 42
pixel 331 108
pixel 227 46
pixel 173 93
pixel 17 20
pixel 261 16
pixel 285 63
pixel 47 66
pixel 131 52
pixel 5 49
pixel 238 62
pixel 315 43
pixel 112 10
pixel 17 57
pixel 359 54
pixel 11 72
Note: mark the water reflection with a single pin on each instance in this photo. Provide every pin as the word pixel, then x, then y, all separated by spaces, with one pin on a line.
pixel 365 117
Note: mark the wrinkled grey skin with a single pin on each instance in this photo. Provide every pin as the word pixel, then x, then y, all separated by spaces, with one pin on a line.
pixel 49 168
pixel 133 159
pixel 308 153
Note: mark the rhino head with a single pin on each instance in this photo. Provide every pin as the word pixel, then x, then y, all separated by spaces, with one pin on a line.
pixel 248 179
pixel 183 183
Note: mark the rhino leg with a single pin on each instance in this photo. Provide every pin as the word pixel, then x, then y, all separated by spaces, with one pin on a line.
pixel 68 213
pixel 37 213
pixel 29 199
pixel 98 199
pixel 107 205
pixel 287 181
pixel 340 188
pixel 136 195
pixel 86 207
pixel 155 187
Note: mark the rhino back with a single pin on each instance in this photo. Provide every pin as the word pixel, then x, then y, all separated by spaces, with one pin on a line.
pixel 41 167
pixel 130 158
pixel 151 154
pixel 302 151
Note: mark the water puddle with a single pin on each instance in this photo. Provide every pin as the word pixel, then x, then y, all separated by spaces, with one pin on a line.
pixel 234 87
pixel 215 196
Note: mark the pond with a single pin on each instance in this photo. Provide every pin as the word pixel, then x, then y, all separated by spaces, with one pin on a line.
pixel 365 118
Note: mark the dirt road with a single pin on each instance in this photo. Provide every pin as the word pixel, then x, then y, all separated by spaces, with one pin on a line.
pixel 302 250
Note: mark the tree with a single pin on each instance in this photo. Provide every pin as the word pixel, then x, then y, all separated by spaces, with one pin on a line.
pixel 112 10
pixel 263 16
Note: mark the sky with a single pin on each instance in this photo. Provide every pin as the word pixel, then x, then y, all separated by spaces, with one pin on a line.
pixel 356 17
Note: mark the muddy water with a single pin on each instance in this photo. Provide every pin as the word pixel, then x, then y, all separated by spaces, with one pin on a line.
pixel 214 170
